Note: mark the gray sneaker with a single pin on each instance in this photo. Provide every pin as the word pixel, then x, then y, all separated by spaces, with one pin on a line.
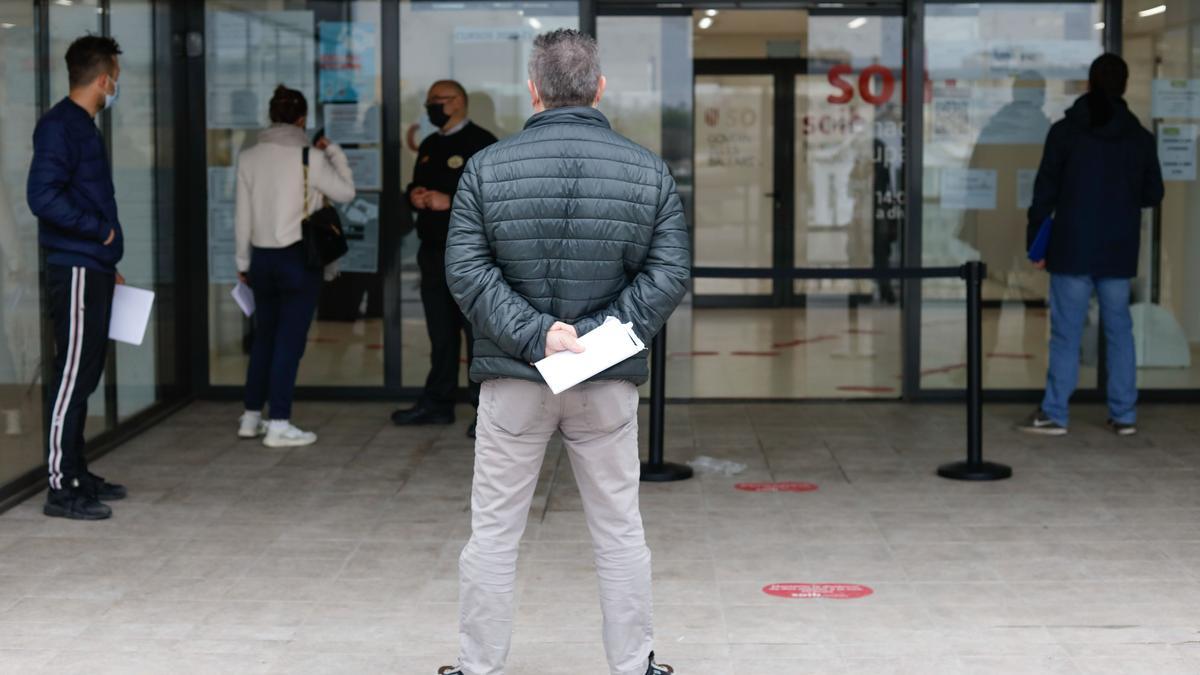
pixel 1040 423
pixel 1122 429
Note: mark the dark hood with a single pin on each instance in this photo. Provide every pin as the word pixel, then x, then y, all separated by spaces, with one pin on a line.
pixel 1122 122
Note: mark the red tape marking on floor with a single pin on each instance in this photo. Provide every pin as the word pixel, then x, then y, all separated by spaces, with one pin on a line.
pixel 864 331
pixel 869 390
pixel 754 353
pixel 785 486
pixel 375 345
pixel 942 369
pixel 1008 355
pixel 805 341
pixel 823 591
pixel 686 355
pixel 323 340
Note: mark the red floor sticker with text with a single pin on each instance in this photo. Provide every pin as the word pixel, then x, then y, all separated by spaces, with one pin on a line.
pixel 823 591
pixel 786 486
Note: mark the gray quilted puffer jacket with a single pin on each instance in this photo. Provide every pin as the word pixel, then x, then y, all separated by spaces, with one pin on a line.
pixel 566 221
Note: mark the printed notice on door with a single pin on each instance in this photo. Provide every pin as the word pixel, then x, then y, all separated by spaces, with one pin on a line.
pixel 969 189
pixel 1177 151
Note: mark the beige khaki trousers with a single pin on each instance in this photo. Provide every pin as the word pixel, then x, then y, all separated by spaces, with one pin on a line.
pixel 598 422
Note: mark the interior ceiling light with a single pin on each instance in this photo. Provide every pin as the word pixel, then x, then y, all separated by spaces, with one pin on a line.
pixel 705 23
pixel 1152 11
pixel 711 12
pixel 1099 25
pixel 855 24
pixel 534 23
pixel 6 25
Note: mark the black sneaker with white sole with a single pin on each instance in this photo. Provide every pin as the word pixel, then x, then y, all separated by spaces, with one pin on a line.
pixel 1040 423
pixel 658 669
pixel 1121 429
pixel 449 670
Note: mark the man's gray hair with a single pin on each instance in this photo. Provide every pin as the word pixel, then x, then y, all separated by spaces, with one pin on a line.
pixel 565 68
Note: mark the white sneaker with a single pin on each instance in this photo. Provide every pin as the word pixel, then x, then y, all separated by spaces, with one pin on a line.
pixel 287 437
pixel 251 426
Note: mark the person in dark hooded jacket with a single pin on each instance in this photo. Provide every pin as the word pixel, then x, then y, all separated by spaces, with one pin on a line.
pixel 1099 170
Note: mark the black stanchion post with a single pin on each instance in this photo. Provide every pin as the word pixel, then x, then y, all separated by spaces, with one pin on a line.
pixel 974 468
pixel 656 470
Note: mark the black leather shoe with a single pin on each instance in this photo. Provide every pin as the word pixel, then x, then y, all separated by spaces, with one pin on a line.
pixel 104 490
pixel 76 504
pixel 422 415
pixel 471 430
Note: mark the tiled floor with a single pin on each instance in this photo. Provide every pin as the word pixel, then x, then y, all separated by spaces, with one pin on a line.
pixel 340 558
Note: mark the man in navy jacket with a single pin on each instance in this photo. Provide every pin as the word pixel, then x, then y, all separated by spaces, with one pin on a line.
pixel 1099 170
pixel 71 191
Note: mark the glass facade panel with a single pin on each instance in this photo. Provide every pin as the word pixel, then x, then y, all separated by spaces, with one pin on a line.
pixel 485 47
pixel 330 51
pixel 21 386
pixel 134 155
pixel 998 75
pixel 1162 53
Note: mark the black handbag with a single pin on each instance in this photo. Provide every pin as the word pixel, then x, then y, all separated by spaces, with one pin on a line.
pixel 324 238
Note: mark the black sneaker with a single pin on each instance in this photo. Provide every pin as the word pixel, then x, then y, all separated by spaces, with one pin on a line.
pixel 76 503
pixel 450 670
pixel 420 415
pixel 1122 429
pixel 471 430
pixel 104 490
pixel 657 669
pixel 1040 423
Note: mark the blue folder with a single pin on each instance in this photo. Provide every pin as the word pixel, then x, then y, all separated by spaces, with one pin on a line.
pixel 1037 250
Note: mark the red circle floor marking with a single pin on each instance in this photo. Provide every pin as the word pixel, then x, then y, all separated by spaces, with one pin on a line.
pixel 823 591
pixel 786 486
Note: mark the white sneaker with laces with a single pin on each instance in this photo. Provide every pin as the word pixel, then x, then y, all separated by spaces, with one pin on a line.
pixel 251 426
pixel 286 435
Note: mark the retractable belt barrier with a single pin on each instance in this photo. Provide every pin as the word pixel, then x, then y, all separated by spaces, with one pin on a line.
pixel 973 468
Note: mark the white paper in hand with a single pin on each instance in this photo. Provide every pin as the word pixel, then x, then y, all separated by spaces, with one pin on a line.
pixel 244 297
pixel 604 347
pixel 130 314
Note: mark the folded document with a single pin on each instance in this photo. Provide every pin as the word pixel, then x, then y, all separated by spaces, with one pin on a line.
pixel 604 347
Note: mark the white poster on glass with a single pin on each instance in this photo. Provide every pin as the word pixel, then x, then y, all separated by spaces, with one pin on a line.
pixel 1177 151
pixel 1175 99
pixel 352 123
pixel 367 166
pixel 969 188
pixel 360 220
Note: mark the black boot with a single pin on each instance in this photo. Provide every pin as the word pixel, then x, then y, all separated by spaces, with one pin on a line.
pixel 76 503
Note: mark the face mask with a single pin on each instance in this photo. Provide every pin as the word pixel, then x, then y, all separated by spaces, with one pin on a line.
pixel 111 99
pixel 437 114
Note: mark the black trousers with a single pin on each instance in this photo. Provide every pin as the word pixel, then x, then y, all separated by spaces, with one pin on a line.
pixel 80 306
pixel 285 297
pixel 445 323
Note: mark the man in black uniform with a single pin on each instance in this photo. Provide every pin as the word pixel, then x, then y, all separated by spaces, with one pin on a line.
pixel 440 162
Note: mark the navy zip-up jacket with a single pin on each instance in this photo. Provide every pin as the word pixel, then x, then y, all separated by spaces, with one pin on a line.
pixel 71 191
pixel 1095 181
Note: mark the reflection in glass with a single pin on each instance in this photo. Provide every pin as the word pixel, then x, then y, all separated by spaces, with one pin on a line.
pixel 998 75
pixel 485 47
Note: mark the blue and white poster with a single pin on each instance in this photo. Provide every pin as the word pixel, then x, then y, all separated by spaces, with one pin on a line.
pixel 347 61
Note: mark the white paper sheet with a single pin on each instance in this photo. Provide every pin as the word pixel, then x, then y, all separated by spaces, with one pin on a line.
pixel 130 314
pixel 604 347
pixel 244 297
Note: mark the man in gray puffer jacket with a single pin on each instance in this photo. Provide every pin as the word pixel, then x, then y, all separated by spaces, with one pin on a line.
pixel 552 231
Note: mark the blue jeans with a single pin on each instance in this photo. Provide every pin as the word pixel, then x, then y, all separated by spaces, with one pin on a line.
pixel 285 297
pixel 1069 298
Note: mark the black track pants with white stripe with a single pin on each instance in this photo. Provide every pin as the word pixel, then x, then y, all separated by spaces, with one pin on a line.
pixel 80 304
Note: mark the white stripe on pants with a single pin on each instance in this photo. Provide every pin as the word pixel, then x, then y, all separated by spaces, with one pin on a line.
pixel 598 422
pixel 66 387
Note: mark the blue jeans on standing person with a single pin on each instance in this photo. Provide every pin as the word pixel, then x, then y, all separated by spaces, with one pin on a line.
pixel 1070 296
pixel 285 297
